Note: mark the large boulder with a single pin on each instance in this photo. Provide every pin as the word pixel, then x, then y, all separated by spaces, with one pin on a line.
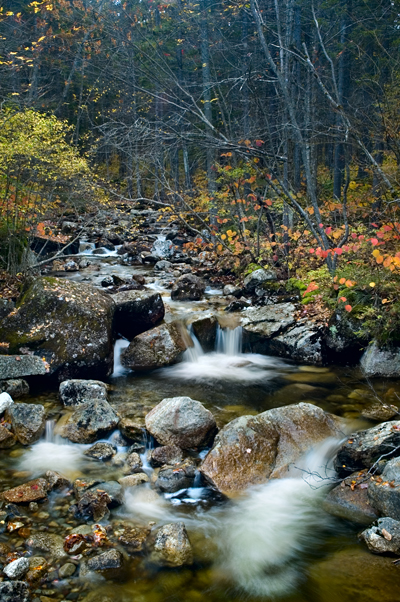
pixel 257 278
pixel 181 421
pixel 75 391
pixel 162 346
pixel 363 449
pixel 381 361
pixel 252 449
pixel 262 323
pixel 90 421
pixel 16 366
pixel 66 323
pixel 384 490
pixel 172 546
pixel 303 343
pixel 136 312
pixel 383 537
pixel 188 288
pixel 27 421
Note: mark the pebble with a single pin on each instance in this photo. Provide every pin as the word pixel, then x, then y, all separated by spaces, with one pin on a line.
pixel 67 570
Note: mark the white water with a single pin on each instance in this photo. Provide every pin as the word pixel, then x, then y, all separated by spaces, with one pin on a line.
pixel 227 363
pixel 119 370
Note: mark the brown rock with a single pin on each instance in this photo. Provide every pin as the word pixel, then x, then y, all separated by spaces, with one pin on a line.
pixel 134 538
pixel 7 439
pixel 131 429
pixel 28 492
pixel 161 346
pixel 166 454
pixel 172 547
pixel 349 500
pixel 133 480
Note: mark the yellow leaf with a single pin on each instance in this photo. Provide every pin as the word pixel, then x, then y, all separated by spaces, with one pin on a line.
pixel 372 284
pixel 223 236
pixel 376 253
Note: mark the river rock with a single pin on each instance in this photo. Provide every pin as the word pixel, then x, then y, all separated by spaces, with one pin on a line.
pixel 133 480
pixel 132 430
pixel 162 249
pixel 7 438
pixel 378 361
pixel 163 266
pixel 384 490
pixel 101 451
pixel 67 570
pixel 267 322
pixel 38 568
pixel 380 412
pixel 252 449
pixel 134 537
pixel 31 491
pixel 303 343
pixel 257 278
pixel 205 330
pixel 137 312
pixel 111 559
pixel 67 323
pixel 181 421
pixel 133 463
pixel 230 290
pixel 383 537
pixel 343 337
pixel 161 346
pixel 349 500
pixel 16 366
pixel 188 288
pixel 93 505
pixel 5 402
pixel 16 387
pixel 170 480
pixel 17 568
pixel 27 421
pixel 51 543
pixel 166 454
pixel 14 591
pixel 90 421
pixel 172 546
pixel 363 449
pixel 56 481
pixel 75 391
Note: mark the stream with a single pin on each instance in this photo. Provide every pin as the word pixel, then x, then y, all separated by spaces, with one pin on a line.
pixel 276 542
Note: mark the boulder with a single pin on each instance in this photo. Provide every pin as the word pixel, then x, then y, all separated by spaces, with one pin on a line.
pixel 101 451
pixel 67 323
pixel 303 343
pixel 252 449
pixel 172 546
pixel 17 568
pixel 170 480
pixel 162 249
pixel 263 323
pixel 384 490
pixel 32 491
pixel 181 421
pixel 16 387
pixel 205 330
pixel 349 500
pixel 137 312
pixel 16 366
pixel 257 278
pixel 383 537
pixel 381 361
pixel 363 449
pixel 166 454
pixel 342 337
pixel 231 290
pixel 75 391
pixel 90 421
pixel 188 288
pixel 6 306
pixel 162 346
pixel 14 591
pixel 27 421
pixel 163 266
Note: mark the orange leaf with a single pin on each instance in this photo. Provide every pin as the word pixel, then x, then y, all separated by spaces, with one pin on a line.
pixel 348 308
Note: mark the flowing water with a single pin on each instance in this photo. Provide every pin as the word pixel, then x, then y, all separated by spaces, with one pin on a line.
pixel 273 543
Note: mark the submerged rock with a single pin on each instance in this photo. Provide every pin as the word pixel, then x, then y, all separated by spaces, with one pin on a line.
pixel 349 500
pixel 17 568
pixel 181 421
pixel 134 538
pixel 51 543
pixel 27 421
pixel 14 591
pixel 162 346
pixel 16 366
pixel 93 505
pixel 137 312
pixel 172 546
pixel 383 537
pixel 75 391
pixel 68 324
pixel 111 559
pixel 188 288
pixel 90 421
pixel 381 361
pixel 252 449
pixel 31 491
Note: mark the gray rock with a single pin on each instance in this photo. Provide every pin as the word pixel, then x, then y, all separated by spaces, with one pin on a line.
pixel 137 312
pixel 383 537
pixel 5 402
pixel 93 505
pixel 232 291
pixel 303 343
pixel 112 559
pixel 171 480
pixel 113 490
pixel 14 591
pixel 349 500
pixel 16 387
pixel 258 277
pixel 172 546
pixel 268 321
pixel 107 281
pixel 15 366
pixel 48 542
pixel 166 454
pixel 205 330
pixel 27 421
pixel 384 490
pixel 101 451
pixel 17 568
pixel 188 288
pixel 381 362
pixel 363 449
pixel 90 421
pixel 75 391
pixel 6 306
pixel 56 481
pixel 164 249
pixel 66 570
pixel 132 430
pixel 161 346
pixel 181 421
pixel 133 480
pixel 133 463
pixel 163 266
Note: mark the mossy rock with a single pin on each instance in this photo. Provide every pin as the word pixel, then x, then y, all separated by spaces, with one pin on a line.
pixel 68 324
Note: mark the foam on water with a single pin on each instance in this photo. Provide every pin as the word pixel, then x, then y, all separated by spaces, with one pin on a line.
pixel 119 369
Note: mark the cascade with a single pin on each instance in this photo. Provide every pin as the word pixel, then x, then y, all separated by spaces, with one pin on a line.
pixel 119 370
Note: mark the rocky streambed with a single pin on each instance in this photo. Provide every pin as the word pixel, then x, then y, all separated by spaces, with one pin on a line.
pixel 155 446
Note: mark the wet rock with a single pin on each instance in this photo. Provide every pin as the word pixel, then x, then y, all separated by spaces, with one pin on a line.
pixel 17 568
pixel 101 451
pixel 6 306
pixel 71 266
pixel 137 312
pixel 27 421
pixel 133 463
pixel 238 305
pixel 251 449
pixel 205 330
pixel 363 449
pixel 232 291
pixel 188 288
pixel 5 402
pixel 159 347
pixel 170 480
pixel 381 361
pixel 56 481
pixel 66 570
pixel 80 486
pixel 172 546
pixel 343 338
pixel 28 492
pixel 107 281
pixel 384 490
pixel 90 421
pixel 181 421
pixel 380 412
pixel 67 323
pixel 16 387
pixel 113 490
pixel 132 430
pixel 38 567
pixel 112 559
pixel 162 249
pixel 76 391
pixel 14 591
pixel 302 343
pixel 93 505
pixel 163 266
pixel 383 537
pixel 134 538
pixel 7 438
pixel 349 500
pixel 48 542
pixel 133 480
pixel 16 366
pixel 263 323
pixel 99 251
pixel 257 278
pixel 166 454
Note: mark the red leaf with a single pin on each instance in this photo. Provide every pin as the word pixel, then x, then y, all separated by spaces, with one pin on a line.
pixel 338 251
pixel 312 250
pixel 374 241
pixel 348 308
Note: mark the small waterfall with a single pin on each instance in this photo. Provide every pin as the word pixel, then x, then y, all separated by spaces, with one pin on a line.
pixel 195 352
pixel 119 370
pixel 49 436
pixel 229 340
